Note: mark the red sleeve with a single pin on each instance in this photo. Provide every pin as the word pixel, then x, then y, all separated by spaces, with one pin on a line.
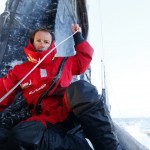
pixel 6 83
pixel 81 60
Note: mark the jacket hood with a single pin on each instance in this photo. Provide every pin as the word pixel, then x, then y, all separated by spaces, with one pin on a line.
pixel 35 57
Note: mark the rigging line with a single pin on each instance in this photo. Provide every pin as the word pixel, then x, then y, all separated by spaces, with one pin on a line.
pixel 114 96
pixel 105 81
pixel 101 29
pixel 13 88
pixel 101 45
pixel 103 69
pixel 105 75
pixel 111 93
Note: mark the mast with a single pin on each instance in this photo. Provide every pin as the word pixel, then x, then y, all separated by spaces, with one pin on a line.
pixel 104 86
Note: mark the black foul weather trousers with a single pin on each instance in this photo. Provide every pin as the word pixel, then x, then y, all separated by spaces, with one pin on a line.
pixel 93 115
pixel 35 136
pixel 88 110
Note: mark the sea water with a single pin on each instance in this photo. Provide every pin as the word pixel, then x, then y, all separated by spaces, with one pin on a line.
pixel 139 128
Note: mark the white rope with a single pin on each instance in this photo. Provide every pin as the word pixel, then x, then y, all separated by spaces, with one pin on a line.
pixel 12 89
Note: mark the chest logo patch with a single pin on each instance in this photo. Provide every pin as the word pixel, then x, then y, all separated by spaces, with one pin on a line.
pixel 43 73
pixel 25 85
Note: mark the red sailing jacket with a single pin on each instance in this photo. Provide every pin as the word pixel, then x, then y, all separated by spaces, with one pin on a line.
pixel 54 107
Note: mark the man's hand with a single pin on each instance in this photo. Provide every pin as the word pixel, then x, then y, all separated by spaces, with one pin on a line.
pixel 75 27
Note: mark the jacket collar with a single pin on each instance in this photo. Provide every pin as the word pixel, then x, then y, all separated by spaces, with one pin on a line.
pixel 35 57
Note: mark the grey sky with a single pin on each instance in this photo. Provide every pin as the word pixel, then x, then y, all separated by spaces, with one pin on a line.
pixel 120 30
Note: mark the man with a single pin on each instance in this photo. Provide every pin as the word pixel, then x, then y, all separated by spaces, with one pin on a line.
pixel 66 107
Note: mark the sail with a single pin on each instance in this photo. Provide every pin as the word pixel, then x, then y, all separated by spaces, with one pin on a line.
pixel 20 18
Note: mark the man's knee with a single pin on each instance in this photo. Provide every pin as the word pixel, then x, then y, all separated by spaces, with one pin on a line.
pixel 26 135
pixel 81 96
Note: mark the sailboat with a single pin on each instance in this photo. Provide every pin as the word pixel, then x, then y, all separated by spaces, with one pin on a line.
pixel 21 17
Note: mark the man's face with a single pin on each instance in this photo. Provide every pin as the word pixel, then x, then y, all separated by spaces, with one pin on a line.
pixel 42 41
